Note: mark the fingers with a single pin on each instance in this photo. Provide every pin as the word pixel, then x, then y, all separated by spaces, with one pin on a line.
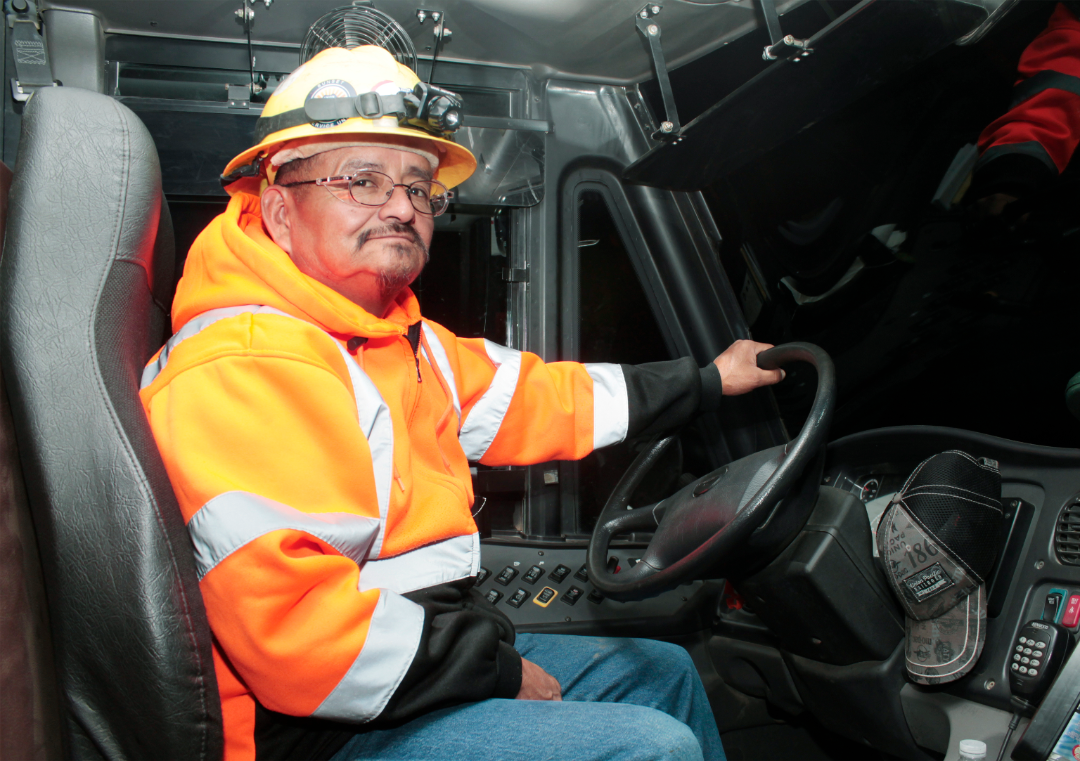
pixel 739 372
pixel 537 684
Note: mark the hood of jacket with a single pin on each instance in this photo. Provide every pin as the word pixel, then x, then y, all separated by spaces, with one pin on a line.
pixel 234 262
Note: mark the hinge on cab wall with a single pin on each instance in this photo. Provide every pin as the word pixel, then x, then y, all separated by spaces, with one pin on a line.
pixel 32 68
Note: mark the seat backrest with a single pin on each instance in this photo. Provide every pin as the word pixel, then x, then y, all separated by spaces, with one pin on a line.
pixel 85 284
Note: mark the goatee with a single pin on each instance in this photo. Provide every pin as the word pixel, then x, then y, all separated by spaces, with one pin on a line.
pixel 408 260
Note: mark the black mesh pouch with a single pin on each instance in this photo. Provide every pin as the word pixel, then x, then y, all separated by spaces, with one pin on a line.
pixel 956 499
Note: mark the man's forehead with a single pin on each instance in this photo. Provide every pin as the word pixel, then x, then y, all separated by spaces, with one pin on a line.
pixel 379 159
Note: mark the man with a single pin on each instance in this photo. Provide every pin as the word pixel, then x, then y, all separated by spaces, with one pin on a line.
pixel 317 432
pixel 1033 142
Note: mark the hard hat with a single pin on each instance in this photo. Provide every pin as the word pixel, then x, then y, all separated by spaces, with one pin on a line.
pixel 363 92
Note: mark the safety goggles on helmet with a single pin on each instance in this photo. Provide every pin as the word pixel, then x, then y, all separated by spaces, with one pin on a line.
pixel 369 188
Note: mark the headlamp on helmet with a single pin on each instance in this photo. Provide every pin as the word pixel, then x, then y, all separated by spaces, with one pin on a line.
pixel 429 108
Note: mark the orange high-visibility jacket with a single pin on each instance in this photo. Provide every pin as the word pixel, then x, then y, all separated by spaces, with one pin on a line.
pixel 321 460
pixel 1035 140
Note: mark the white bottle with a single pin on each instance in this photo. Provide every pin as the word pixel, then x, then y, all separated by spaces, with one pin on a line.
pixel 972 750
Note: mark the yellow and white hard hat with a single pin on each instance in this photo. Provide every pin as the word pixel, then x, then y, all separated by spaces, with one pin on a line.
pixel 358 96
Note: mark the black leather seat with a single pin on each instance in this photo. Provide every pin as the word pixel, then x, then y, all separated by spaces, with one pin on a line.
pixel 85 285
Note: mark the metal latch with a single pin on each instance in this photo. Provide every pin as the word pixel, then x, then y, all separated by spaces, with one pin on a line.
pixel 32 68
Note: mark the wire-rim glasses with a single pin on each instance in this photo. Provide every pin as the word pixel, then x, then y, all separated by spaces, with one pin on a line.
pixel 370 188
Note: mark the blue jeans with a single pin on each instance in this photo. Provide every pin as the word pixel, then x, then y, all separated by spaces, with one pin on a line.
pixel 623 700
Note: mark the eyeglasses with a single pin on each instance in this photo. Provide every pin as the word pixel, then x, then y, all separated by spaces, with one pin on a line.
pixel 375 188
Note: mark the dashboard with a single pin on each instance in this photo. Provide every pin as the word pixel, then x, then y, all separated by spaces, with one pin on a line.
pixel 1036 576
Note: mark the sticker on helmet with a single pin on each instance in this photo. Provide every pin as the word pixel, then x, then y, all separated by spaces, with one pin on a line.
pixel 331 88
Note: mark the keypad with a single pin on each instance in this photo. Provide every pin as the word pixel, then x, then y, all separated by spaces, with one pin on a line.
pixel 506 575
pixel 533 574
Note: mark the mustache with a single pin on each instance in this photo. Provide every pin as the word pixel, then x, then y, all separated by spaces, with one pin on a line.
pixel 391 228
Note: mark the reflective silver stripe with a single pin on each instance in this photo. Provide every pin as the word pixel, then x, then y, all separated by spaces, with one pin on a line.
pixel 444 366
pixel 480 428
pixel 438 563
pixel 374 418
pixel 372 412
pixel 611 405
pixel 233 519
pixel 393 637
pixel 197 325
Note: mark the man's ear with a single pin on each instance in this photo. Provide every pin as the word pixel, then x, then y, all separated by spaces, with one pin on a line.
pixel 276 219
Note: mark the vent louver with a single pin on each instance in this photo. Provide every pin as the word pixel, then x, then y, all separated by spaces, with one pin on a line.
pixel 1067 536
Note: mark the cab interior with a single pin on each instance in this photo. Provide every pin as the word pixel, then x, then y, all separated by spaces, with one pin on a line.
pixel 641 196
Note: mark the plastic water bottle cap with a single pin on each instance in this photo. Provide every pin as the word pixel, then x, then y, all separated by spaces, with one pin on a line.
pixel 972 749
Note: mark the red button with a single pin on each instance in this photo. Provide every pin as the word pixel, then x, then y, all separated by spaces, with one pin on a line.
pixel 1072 613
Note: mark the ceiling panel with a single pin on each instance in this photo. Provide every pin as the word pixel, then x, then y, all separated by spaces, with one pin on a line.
pixel 578 39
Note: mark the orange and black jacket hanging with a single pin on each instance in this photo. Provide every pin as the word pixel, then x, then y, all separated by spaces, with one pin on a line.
pixel 321 459
pixel 1036 138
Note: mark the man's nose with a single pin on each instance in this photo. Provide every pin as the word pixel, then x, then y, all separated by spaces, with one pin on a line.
pixel 398 206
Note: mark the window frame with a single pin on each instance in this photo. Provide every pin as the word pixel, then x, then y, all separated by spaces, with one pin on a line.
pixel 632 237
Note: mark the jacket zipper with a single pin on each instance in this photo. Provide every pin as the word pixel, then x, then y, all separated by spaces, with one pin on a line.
pixel 414 341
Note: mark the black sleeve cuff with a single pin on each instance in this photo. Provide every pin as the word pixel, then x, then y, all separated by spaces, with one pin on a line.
pixel 1018 170
pixel 509 661
pixel 664 396
pixel 712 389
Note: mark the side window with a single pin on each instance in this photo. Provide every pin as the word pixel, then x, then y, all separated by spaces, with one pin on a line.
pixel 462 286
pixel 617 324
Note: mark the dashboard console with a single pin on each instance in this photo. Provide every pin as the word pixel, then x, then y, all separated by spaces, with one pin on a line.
pixel 1037 576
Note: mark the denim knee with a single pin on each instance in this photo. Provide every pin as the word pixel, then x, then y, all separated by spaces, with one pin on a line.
pixel 667 658
pixel 655 736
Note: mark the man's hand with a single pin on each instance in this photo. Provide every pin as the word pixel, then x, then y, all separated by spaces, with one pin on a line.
pixel 993 205
pixel 739 371
pixel 537 684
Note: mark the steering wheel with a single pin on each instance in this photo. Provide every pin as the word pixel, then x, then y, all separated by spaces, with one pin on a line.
pixel 715 516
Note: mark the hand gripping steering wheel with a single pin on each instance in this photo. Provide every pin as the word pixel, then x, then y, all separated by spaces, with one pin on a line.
pixel 714 516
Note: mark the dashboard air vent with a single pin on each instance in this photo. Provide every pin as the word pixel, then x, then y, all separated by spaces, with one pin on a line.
pixel 1067 537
